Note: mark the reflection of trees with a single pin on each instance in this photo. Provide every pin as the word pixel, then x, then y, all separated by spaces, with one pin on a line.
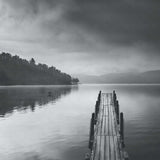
pixel 22 98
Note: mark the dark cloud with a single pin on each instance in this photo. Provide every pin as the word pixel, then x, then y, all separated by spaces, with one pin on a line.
pixel 101 30
pixel 122 22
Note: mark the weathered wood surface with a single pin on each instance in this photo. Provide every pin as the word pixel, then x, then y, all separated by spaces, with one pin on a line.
pixel 106 143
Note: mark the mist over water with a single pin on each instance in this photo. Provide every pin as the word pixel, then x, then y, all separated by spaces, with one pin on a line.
pixel 52 122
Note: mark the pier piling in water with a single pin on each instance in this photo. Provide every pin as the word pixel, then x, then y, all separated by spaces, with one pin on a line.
pixel 91 138
pixel 117 110
pixel 106 140
pixel 122 128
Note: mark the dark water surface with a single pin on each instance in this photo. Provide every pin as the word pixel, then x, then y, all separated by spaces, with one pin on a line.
pixel 52 122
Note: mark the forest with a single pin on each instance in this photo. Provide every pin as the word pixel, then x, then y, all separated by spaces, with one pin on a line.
pixel 17 71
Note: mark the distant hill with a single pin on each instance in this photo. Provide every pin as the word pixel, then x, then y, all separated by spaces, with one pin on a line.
pixel 17 71
pixel 143 77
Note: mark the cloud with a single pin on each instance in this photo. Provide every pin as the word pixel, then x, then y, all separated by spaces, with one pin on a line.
pixel 83 30
pixel 121 22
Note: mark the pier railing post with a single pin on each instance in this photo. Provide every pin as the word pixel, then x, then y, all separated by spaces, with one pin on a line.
pixel 117 111
pixel 97 106
pixel 114 97
pixel 122 129
pixel 96 111
pixel 99 96
pixel 91 139
pixel 116 106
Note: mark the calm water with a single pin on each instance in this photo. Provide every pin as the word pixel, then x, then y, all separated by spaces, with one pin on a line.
pixel 52 123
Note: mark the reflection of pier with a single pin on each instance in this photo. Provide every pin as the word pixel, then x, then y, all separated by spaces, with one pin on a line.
pixel 107 130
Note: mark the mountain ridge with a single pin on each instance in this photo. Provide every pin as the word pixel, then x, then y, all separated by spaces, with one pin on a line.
pixel 151 77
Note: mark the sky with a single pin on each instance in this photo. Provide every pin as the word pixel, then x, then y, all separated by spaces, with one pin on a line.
pixel 83 36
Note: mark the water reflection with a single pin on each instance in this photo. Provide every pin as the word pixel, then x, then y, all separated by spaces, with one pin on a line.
pixel 61 132
pixel 23 98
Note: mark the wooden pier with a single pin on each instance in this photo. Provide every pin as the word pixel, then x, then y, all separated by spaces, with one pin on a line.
pixel 106 141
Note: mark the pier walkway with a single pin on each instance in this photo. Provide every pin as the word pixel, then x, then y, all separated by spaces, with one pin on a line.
pixel 107 130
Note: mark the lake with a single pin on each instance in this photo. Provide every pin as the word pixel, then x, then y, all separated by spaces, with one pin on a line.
pixel 52 122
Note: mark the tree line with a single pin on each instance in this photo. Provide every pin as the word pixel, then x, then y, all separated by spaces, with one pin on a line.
pixel 17 71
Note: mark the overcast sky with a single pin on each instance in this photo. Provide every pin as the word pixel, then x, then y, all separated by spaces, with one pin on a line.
pixel 83 36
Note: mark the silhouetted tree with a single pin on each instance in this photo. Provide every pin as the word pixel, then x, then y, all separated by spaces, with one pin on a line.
pixel 75 80
pixel 32 61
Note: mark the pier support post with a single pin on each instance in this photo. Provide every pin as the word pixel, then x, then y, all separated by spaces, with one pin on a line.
pixel 122 129
pixel 114 97
pixel 97 106
pixel 99 96
pixel 116 105
pixel 91 139
pixel 117 111
pixel 96 111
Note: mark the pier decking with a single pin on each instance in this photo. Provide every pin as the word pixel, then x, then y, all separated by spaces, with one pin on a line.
pixel 107 130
